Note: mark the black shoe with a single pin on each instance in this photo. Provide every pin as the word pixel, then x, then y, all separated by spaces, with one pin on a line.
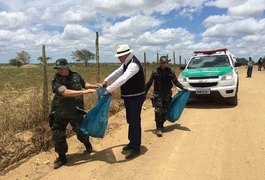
pixel 61 160
pixel 88 147
pixel 132 154
pixel 159 132
pixel 126 148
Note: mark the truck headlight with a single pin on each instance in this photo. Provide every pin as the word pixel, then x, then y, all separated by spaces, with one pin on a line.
pixel 182 78
pixel 227 77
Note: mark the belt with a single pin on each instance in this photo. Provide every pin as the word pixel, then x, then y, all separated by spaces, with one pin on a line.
pixel 132 95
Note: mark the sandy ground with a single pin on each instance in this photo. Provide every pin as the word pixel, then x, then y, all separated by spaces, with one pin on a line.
pixel 210 141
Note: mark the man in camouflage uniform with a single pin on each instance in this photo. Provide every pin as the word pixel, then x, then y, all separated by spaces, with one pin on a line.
pixel 69 88
pixel 163 78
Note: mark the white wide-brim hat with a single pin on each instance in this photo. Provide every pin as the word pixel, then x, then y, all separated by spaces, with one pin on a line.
pixel 123 49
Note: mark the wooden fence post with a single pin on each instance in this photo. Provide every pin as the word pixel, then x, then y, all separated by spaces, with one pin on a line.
pixel 97 58
pixel 157 58
pixel 180 60
pixel 45 99
pixel 174 57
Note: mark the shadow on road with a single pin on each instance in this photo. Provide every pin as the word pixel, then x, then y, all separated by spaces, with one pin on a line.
pixel 171 128
pixel 106 155
pixel 175 126
pixel 202 103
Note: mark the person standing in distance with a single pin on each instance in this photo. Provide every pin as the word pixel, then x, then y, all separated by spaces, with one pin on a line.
pixel 259 64
pixel 249 67
pixel 130 78
pixel 69 88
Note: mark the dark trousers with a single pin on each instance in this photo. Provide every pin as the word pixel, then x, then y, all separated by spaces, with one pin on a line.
pixel 249 71
pixel 133 106
pixel 61 120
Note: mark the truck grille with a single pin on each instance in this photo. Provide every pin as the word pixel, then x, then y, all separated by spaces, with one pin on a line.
pixel 204 77
pixel 203 84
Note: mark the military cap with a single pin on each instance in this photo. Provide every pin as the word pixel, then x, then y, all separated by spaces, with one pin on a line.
pixel 61 63
pixel 163 59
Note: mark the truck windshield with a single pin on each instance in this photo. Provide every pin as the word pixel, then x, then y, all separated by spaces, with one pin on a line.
pixel 209 61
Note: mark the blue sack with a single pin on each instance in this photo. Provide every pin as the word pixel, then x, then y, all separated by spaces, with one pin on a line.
pixel 96 120
pixel 177 105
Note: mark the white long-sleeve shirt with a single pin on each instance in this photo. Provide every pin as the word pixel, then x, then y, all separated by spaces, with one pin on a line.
pixel 121 77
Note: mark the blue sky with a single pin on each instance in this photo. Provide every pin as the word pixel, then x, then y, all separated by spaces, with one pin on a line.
pixel 151 26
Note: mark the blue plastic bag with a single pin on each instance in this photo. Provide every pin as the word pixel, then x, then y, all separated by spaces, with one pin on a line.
pixel 96 120
pixel 177 105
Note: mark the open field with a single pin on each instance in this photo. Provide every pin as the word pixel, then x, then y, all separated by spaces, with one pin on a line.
pixel 210 141
pixel 24 131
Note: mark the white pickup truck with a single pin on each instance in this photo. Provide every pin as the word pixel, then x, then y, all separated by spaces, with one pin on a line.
pixel 212 73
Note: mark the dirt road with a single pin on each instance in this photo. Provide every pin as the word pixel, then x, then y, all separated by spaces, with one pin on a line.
pixel 210 141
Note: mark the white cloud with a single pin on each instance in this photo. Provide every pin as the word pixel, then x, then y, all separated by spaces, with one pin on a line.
pixel 57 44
pixel 250 8
pixel 5 35
pixel 165 36
pixel 239 29
pixel 207 45
pixel 12 20
pixel 76 32
pixel 132 27
pixel 241 8
pixel 147 7
pixel 217 19
pixel 78 14
pixel 243 27
pixel 225 3
pixel 47 14
pixel 127 8
pixel 253 39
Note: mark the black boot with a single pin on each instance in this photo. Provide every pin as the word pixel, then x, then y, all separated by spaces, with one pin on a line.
pixel 159 132
pixel 61 160
pixel 127 147
pixel 88 147
pixel 159 128
pixel 132 154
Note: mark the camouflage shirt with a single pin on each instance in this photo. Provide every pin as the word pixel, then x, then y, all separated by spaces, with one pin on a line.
pixel 163 79
pixel 73 81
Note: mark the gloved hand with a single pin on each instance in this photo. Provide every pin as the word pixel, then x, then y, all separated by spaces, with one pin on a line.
pixel 105 84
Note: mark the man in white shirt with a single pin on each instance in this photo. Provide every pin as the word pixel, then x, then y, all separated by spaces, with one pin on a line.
pixel 130 77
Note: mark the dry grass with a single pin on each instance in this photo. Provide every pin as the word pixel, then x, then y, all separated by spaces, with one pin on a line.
pixel 24 130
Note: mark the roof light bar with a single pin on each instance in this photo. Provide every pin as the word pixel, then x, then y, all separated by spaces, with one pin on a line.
pixel 211 51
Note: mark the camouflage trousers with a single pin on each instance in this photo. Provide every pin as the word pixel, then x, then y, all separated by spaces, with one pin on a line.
pixel 161 102
pixel 59 124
